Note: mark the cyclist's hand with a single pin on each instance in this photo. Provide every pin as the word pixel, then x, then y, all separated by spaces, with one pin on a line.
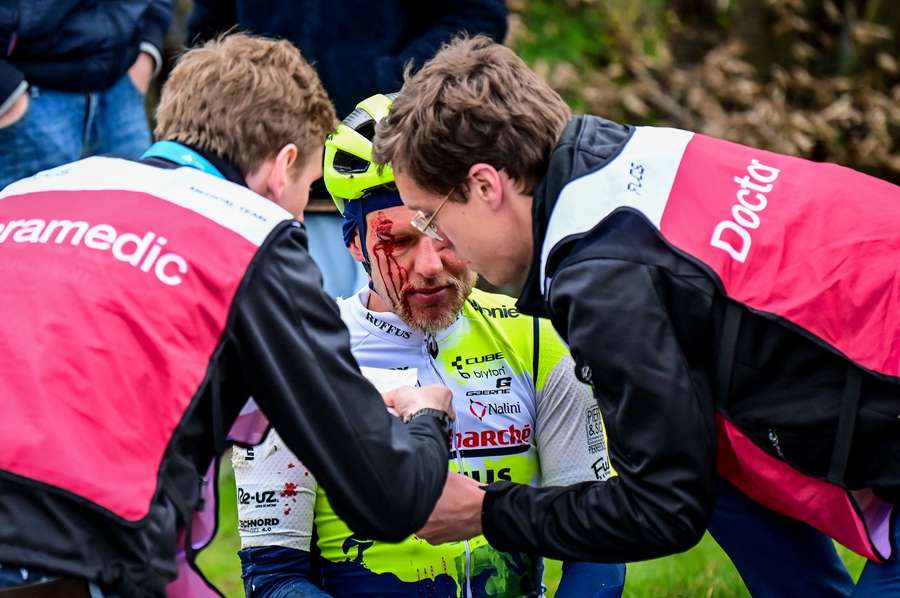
pixel 406 400
pixel 457 515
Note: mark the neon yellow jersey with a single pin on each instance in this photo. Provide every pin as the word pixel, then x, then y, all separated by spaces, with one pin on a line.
pixel 521 416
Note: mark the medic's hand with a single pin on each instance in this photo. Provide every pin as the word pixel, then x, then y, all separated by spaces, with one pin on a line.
pixel 406 400
pixel 457 515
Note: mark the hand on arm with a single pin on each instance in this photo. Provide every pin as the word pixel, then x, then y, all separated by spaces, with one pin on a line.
pixel 660 429
pixel 407 400
pixel 382 476
pixel 457 515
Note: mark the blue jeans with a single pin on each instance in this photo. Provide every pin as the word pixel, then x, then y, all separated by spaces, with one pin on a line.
pixel 591 580
pixel 60 127
pixel 342 275
pixel 780 557
pixel 12 576
pixel 277 572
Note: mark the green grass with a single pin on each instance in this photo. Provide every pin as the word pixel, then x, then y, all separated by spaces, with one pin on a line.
pixel 220 562
pixel 702 571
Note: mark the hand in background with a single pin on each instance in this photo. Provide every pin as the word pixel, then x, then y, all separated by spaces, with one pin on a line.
pixel 15 112
pixel 457 515
pixel 141 72
pixel 406 400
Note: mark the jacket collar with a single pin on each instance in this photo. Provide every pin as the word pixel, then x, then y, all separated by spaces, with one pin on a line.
pixel 183 154
pixel 586 145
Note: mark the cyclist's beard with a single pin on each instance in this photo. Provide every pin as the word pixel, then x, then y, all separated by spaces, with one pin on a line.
pixel 433 320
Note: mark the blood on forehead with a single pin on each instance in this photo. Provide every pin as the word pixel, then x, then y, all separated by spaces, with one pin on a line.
pixel 393 275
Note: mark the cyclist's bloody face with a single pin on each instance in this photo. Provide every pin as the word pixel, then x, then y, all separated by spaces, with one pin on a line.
pixel 487 221
pixel 421 279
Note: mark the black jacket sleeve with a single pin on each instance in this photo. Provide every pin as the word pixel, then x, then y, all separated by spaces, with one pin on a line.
pixel 440 22
pixel 382 477
pixel 155 23
pixel 661 436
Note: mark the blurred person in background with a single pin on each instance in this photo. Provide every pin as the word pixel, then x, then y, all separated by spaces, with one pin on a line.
pixel 73 74
pixel 735 310
pixel 152 299
pixel 359 49
pixel 521 413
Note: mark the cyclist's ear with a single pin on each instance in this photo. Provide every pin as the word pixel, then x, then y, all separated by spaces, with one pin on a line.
pixel 355 249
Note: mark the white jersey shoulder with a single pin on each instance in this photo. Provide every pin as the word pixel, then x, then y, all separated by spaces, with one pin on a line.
pixel 640 177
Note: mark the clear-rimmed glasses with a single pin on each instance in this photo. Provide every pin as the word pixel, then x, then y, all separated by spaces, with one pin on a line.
pixel 426 225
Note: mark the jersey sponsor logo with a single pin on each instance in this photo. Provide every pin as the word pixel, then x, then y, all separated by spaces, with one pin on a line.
pixel 504 387
pixel 593 422
pixel 142 252
pixel 488 438
pixel 481 410
pixel 259 499
pixel 478 409
pixel 489 392
pixel 387 327
pixel 490 475
pixel 482 363
pixel 262 524
pixel 601 469
pixel 744 216
pixel 494 312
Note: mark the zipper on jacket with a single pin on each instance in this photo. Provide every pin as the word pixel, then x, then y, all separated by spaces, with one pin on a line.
pixel 430 352
pixel 431 344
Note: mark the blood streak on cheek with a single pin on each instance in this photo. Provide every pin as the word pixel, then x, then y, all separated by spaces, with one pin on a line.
pixel 393 275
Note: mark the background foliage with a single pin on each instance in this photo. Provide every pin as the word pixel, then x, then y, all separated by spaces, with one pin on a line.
pixel 816 78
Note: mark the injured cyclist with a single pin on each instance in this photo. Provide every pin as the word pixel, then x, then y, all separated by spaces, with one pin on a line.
pixel 522 415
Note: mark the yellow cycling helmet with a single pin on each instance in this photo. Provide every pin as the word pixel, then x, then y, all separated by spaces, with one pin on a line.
pixel 348 170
